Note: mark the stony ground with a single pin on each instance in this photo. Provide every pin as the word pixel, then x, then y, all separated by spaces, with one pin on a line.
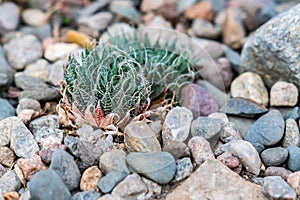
pixel 235 135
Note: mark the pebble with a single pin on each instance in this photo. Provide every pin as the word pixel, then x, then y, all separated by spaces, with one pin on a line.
pixel 267 130
pixel 246 153
pixel 33 17
pixel 233 29
pixel 90 178
pixel 65 166
pixel 27 103
pixel 233 56
pixel 177 125
pixel 242 124
pixel 93 7
pixel 46 137
pixel 208 128
pixel 169 11
pixel 278 171
pixel 6 109
pixel 250 86
pixel 88 154
pixel 2 170
pixel 130 188
pixel 219 115
pixel 46 154
pixel 177 149
pixel 274 156
pixel 212 47
pixel 114 30
pixel 110 180
pixel 229 132
pixel 184 168
pixel 41 32
pixel 9 17
pixel 182 5
pixel 148 5
pixel 41 95
pixel 97 22
pixel 276 188
pixel 47 121
pixel 200 150
pixel 293 114
pixel 231 162
pixel 6 72
pixel 11 195
pixel 291 135
pixel 59 50
pixel 114 160
pixel 293 161
pixel 27 82
pixel 158 21
pixel 293 180
pixel 86 195
pixel 283 94
pixel 38 69
pixel 9 182
pixel 153 188
pixel 158 166
pixel 125 9
pixel 30 166
pixel 7 156
pixel 243 107
pixel 205 29
pixel 274 61
pixel 25 195
pixel 22 141
pixel 5 130
pixel 202 10
pixel 78 38
pixel 16 47
pixel 48 185
pixel 139 137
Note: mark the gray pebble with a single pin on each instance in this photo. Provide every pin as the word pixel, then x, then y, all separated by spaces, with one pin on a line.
pixel 110 180
pixel 184 168
pixel 275 187
pixel 86 195
pixel 274 156
pixel 6 109
pixel 9 182
pixel 293 161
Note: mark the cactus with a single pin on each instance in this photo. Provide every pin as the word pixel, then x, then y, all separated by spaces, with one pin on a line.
pixel 119 79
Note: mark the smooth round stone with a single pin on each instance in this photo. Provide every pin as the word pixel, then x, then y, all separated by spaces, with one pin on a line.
pixel 278 171
pixel 243 107
pixel 274 156
pixel 48 185
pixel 38 69
pixel 59 51
pixel 275 187
pixel 267 130
pixel 90 178
pixel 247 154
pixel 158 166
pixel 283 94
pixel 27 103
pixel 86 195
pixel 177 149
pixel 293 180
pixel 9 17
pixel 110 180
pixel 139 137
pixel 293 161
pixel 6 109
pixel 33 17
pixel 291 135
pixel 209 128
pixel 97 22
pixel 250 86
pixel 177 125
pixel 65 166
pixel 114 160
pixel 200 150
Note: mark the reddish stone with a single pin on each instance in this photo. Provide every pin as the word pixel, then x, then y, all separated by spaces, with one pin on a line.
pixel 201 10
pixel 46 154
pixel 30 166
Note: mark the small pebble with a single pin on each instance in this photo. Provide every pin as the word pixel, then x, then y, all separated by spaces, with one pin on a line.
pixel 278 171
pixel 86 195
pixel 27 103
pixel 291 135
pixel 7 156
pixel 177 149
pixel 184 169
pixel 294 181
pixel 230 132
pixel 30 166
pixel 90 178
pixel 231 162
pixel 283 94
pixel 200 150
pixel 46 154
pixel 59 51
pixel 9 182
pixel 293 161
pixel 9 17
pixel 114 160
pixel 276 188
pixel 6 109
pixel 98 21
pixel 274 156
pixel 110 180
pixel 33 17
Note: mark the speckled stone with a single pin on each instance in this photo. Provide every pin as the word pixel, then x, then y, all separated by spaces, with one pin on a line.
pixel 291 135
pixel 283 94
pixel 274 156
pixel 276 188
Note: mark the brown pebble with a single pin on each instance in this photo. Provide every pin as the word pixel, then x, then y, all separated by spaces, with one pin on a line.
pixel 30 166
pixel 90 179
pixel 11 196
pixel 278 171
pixel 231 162
pixel 201 10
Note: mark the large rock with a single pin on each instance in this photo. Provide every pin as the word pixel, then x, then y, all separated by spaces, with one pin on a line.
pixel 273 51
pixel 213 180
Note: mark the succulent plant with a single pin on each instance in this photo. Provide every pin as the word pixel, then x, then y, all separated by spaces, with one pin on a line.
pixel 116 80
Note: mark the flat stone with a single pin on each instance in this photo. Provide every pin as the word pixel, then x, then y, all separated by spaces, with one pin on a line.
pixel 293 161
pixel 243 107
pixel 283 94
pixel 274 156
pixel 276 188
pixel 41 32
pixel 27 82
pixel 86 195
pixel 158 166
pixel 6 109
pixel 38 69
pixel 213 180
pixel 294 181
pixel 27 103
pixel 33 17
pixel 247 154
pixel 279 60
pixel 200 150
pixel 16 47
pixel 110 180
pixel 65 166
pixel 125 9
pixel 22 141
pixel 267 130
pixel 139 137
pixel 47 185
pixel 278 171
pixel 9 17
pixel 56 73
pixel 209 128
pixel 177 125
pixel 250 86
pixel 30 166
pixel 7 156
pixel 184 168
pixel 90 178
pixel 41 95
pixel 97 22
pixel 130 188
pixel 9 182
pixel 59 51
pixel 114 160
